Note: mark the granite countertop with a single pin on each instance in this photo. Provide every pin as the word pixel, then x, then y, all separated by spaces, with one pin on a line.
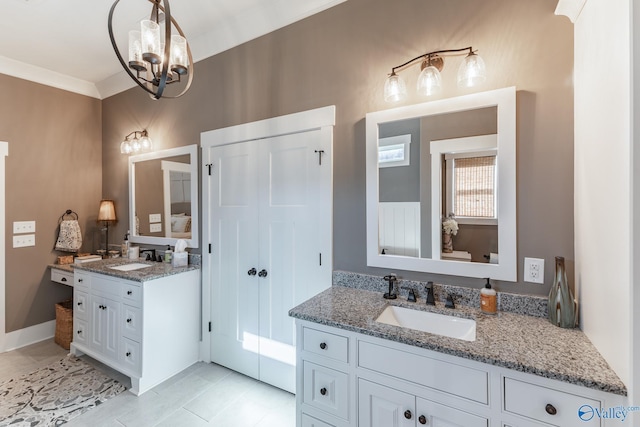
pixel 156 270
pixel 515 341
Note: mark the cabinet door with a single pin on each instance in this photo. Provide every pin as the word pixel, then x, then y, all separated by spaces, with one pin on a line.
pixel 380 406
pixel 436 415
pixel 105 328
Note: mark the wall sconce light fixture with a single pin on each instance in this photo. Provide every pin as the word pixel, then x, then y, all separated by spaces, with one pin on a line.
pixel 157 57
pixel 136 142
pixel 470 73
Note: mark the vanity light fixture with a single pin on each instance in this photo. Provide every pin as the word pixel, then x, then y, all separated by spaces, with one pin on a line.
pixel 470 73
pixel 136 142
pixel 156 57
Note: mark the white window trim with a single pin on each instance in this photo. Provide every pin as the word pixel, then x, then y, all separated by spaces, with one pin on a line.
pixel 392 141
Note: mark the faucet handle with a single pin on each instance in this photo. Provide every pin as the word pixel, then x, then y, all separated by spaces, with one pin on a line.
pixel 430 298
pixel 412 294
pixel 450 303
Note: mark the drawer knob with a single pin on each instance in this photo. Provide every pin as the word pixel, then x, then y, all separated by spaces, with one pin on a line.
pixel 80 280
pixel 129 320
pixel 262 273
pixel 422 419
pixel 323 345
pixel 407 414
pixel 551 410
pixel 129 292
pixel 323 391
pixel 252 272
pixel 64 279
pixel 79 302
pixel 80 332
pixel 128 353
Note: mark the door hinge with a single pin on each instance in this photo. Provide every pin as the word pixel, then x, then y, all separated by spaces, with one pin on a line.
pixel 209 247
pixel 209 165
pixel 209 326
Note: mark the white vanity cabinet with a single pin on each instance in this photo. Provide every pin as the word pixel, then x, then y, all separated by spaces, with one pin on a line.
pixel 148 330
pixel 351 379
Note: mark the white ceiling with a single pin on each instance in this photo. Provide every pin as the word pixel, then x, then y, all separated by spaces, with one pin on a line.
pixel 65 43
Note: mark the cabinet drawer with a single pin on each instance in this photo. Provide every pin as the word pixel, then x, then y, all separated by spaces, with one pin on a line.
pixel 131 322
pixel 60 276
pixel 104 285
pixel 80 332
pixel 80 304
pixel 132 294
pixel 131 355
pixel 532 401
pixel 308 421
pixel 81 280
pixel 458 380
pixel 333 346
pixel 436 414
pixel 326 389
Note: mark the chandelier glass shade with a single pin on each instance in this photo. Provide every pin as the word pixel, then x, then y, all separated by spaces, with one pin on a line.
pixel 471 73
pixel 156 57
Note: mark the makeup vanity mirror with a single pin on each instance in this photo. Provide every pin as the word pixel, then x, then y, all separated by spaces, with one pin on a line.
pixel 163 196
pixel 427 161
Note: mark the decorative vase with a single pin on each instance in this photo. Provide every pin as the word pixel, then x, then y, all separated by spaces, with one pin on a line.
pixel 561 306
pixel 447 243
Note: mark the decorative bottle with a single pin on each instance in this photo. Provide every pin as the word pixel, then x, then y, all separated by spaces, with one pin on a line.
pixel 561 306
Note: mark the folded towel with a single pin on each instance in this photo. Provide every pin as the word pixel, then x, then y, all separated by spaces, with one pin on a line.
pixel 69 237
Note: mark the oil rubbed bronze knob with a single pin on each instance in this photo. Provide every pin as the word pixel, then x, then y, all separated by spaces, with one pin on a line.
pixel 128 353
pixel 79 332
pixel 129 292
pixel 323 345
pixel 551 410
pixel 129 320
pixel 323 391
pixel 407 414
pixel 79 302
pixel 422 419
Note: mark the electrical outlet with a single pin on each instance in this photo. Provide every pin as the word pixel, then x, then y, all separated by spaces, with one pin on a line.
pixel 24 240
pixel 534 270
pixel 155 228
pixel 155 218
pixel 20 227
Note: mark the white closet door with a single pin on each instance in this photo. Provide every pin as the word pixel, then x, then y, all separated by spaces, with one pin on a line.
pixel 295 218
pixel 233 215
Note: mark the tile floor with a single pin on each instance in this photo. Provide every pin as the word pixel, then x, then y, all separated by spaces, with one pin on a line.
pixel 204 394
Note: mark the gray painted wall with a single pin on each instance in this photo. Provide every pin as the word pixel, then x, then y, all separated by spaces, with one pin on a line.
pixel 341 57
pixel 401 183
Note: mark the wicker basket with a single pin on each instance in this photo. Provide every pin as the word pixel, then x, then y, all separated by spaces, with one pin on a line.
pixel 64 324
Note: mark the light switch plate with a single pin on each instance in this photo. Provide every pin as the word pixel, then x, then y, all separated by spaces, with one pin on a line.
pixel 24 240
pixel 534 270
pixel 20 227
pixel 155 218
pixel 155 228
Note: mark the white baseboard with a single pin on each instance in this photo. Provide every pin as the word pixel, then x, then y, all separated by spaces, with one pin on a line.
pixel 30 335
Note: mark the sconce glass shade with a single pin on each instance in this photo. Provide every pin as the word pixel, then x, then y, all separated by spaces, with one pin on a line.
pixel 472 71
pixel 135 145
pixel 107 211
pixel 429 81
pixel 145 143
pixel 394 88
pixel 125 147
pixel 151 49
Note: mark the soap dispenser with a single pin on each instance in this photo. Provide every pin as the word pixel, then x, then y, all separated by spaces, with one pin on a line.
pixel 125 245
pixel 488 299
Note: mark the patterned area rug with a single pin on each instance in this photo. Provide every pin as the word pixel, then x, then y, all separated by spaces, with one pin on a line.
pixel 53 395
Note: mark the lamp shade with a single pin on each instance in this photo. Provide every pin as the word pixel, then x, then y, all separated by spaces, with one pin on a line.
pixel 394 88
pixel 107 211
pixel 429 81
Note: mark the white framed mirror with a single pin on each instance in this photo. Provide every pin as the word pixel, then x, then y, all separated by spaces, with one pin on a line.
pixel 163 197
pixel 418 162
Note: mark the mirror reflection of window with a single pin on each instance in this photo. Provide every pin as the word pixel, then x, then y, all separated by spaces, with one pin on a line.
pixel 470 186
pixel 394 151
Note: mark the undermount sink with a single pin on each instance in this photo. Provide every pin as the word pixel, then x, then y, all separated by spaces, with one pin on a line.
pixel 425 321
pixel 130 267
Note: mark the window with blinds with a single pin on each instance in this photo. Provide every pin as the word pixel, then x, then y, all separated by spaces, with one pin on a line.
pixel 474 187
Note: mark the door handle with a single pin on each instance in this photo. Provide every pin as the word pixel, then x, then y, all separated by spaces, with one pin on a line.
pixel 252 272
pixel 263 273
